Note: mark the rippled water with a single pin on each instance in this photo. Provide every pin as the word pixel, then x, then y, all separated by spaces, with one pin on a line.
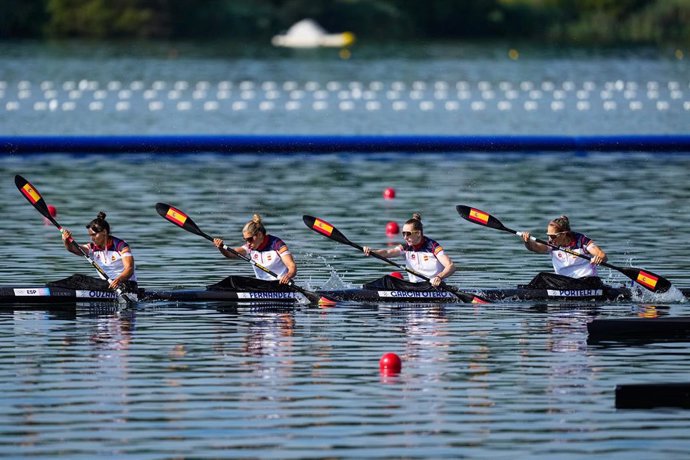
pixel 206 380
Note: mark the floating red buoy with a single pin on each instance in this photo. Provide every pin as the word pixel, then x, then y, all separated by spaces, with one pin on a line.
pixel 392 228
pixel 52 210
pixel 389 193
pixel 397 275
pixel 390 363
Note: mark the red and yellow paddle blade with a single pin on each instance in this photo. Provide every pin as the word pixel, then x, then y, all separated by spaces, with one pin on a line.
pixel 477 216
pixel 326 229
pixel 34 197
pixel 477 299
pixel 176 216
pixel 179 218
pixel 323 227
pixel 649 280
pixel 480 217
pixel 30 193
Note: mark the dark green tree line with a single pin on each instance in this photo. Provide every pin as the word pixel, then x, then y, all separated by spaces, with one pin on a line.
pixel 567 21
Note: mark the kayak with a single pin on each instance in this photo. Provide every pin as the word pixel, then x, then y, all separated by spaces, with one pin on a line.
pixel 675 328
pixel 653 395
pixel 45 295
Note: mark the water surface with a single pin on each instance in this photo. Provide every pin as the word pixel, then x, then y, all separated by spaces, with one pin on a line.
pixel 207 380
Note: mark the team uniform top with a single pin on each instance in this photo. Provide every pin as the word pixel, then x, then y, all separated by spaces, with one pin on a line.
pixel 423 259
pixel 268 255
pixel 110 257
pixel 570 265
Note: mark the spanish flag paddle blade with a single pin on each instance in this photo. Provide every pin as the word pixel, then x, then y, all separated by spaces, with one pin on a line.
pixel 651 281
pixel 34 197
pixel 179 218
pixel 479 217
pixel 327 230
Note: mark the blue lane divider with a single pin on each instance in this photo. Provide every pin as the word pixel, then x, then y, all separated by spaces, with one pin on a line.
pixel 331 144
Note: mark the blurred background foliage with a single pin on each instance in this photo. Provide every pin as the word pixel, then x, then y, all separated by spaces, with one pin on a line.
pixel 583 22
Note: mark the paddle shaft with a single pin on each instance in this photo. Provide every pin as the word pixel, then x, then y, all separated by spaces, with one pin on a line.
pixel 36 199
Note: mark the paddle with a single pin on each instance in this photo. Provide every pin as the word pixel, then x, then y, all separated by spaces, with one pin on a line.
pixel 645 278
pixel 185 222
pixel 34 197
pixel 330 232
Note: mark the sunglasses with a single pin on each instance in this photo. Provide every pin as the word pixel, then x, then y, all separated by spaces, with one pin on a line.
pixel 409 234
pixel 94 231
pixel 553 236
pixel 250 238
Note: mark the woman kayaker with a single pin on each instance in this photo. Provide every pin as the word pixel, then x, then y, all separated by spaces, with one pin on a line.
pixel 264 249
pixel 565 263
pixel 112 254
pixel 422 254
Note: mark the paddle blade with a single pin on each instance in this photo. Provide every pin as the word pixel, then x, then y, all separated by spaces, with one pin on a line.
pixel 178 218
pixel 649 280
pixel 326 229
pixel 34 197
pixel 479 217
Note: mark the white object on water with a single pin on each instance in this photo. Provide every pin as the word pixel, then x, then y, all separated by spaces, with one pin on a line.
pixel 308 34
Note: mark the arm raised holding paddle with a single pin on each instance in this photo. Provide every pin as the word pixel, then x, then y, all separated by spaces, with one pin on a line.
pixel 112 254
pixel 423 255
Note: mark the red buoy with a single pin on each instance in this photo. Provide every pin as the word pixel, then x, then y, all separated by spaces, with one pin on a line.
pixel 52 210
pixel 392 229
pixel 390 363
pixel 389 193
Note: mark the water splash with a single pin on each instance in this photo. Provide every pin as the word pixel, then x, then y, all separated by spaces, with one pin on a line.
pixel 673 295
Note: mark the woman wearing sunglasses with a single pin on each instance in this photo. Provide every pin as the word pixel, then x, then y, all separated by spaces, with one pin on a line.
pixel 112 254
pixel 264 249
pixel 423 255
pixel 565 263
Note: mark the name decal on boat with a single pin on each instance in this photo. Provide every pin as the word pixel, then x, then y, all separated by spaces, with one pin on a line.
pixel 575 292
pixel 265 295
pixel 32 292
pixel 96 295
pixel 416 294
